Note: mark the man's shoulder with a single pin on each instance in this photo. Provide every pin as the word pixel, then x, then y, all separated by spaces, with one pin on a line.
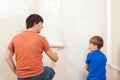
pixel 41 36
pixel 18 34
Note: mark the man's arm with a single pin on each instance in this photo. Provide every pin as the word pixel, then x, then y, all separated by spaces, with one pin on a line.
pixel 87 67
pixel 10 61
pixel 52 55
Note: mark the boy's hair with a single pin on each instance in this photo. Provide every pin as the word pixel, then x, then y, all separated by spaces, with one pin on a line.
pixel 97 40
pixel 33 18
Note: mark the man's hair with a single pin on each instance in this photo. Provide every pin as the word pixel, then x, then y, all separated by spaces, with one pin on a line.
pixel 33 18
pixel 97 40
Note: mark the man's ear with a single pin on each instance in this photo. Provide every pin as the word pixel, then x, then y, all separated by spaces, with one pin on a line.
pixel 34 25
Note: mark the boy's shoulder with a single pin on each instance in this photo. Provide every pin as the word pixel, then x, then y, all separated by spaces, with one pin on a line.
pixel 90 54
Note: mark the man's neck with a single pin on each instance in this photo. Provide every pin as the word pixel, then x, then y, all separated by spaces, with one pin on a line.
pixel 31 29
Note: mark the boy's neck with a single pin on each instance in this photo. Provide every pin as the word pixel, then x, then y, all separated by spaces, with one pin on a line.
pixel 94 49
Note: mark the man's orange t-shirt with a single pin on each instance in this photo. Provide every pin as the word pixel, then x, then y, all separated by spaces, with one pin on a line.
pixel 28 47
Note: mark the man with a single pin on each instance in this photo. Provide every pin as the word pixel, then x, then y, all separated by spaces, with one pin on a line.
pixel 28 47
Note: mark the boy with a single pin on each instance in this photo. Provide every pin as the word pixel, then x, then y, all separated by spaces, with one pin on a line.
pixel 96 60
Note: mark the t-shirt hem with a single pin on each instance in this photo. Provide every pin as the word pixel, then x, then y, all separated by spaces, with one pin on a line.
pixel 30 75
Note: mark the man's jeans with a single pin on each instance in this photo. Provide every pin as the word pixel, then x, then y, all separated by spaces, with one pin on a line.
pixel 47 74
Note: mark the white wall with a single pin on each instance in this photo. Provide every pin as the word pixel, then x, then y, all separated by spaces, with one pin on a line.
pixel 68 22
pixel 115 32
pixel 81 19
pixel 113 69
pixel 115 40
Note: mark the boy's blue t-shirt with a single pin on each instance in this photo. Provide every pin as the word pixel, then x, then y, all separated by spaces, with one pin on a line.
pixel 97 64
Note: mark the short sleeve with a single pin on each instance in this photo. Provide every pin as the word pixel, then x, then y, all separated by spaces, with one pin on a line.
pixel 88 59
pixel 11 46
pixel 46 45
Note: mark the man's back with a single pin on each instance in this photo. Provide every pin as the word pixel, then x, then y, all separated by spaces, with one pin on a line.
pixel 28 47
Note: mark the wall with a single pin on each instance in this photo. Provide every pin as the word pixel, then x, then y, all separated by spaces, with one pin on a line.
pixel 115 32
pixel 81 19
pixel 67 22
pixel 115 41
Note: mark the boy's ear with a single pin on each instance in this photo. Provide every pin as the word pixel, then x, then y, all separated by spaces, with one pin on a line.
pixel 96 46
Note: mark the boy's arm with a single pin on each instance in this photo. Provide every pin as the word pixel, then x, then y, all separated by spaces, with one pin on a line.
pixel 87 67
pixel 10 61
